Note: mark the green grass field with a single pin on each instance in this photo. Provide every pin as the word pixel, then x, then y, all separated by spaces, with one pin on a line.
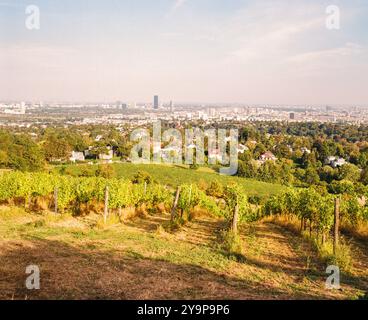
pixel 174 175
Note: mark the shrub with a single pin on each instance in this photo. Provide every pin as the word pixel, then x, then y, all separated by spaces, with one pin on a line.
pixel 231 244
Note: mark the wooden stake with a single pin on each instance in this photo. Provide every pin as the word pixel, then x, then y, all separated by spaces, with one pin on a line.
pixel 56 200
pixel 119 212
pixel 106 211
pixel 336 225
pixel 173 210
pixel 190 195
pixel 235 217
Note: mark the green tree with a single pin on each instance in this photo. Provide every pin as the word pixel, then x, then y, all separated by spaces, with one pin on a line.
pixel 349 172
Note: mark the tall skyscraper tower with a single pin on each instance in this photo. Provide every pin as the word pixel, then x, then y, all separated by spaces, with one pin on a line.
pixel 23 108
pixel 155 102
pixel 171 106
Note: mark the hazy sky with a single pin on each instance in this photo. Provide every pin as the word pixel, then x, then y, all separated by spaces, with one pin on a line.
pixel 277 52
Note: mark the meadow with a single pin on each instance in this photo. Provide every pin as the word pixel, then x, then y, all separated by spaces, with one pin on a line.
pixel 172 176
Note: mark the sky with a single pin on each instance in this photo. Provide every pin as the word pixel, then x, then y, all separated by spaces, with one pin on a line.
pixel 212 51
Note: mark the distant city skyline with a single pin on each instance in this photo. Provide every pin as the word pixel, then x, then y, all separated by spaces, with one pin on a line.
pixel 204 51
pixel 155 102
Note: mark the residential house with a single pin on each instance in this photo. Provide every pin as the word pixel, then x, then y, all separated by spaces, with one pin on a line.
pixel 305 150
pixel 267 156
pixel 242 148
pixel 77 156
pixel 107 157
pixel 335 161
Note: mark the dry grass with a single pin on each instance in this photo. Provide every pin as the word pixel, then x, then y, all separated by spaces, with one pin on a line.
pixel 138 259
pixel 359 231
pixel 343 256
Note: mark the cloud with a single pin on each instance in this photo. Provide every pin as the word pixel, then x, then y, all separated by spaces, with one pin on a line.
pixel 177 5
pixel 348 50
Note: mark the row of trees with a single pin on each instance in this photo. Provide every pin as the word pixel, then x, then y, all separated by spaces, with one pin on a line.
pixel 31 149
pixel 286 172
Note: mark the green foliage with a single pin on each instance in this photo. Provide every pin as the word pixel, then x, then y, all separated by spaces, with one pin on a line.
pixel 231 244
pixel 233 197
pixel 56 149
pixel 20 152
pixel 215 189
pixel 341 258
pixel 318 208
pixel 349 172
pixel 122 193
pixel 141 177
pixel 341 187
pixel 105 171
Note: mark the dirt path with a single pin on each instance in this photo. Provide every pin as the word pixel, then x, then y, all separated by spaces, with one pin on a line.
pixel 286 253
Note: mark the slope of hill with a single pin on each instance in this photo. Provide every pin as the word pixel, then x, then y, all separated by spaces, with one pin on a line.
pixel 78 258
pixel 174 175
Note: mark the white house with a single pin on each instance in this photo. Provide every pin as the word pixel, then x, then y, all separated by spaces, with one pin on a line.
pixel 335 162
pixel 267 156
pixel 339 162
pixel 77 156
pixel 242 148
pixel 107 156
pixel 305 150
pixel 98 138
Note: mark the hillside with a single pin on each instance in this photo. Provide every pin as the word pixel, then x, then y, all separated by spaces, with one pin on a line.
pixel 174 175
pixel 81 259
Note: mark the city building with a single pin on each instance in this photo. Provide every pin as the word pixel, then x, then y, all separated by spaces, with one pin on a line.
pixel 171 107
pixel 155 102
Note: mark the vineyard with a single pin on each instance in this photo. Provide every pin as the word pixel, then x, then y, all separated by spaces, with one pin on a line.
pixel 308 205
pixel 233 215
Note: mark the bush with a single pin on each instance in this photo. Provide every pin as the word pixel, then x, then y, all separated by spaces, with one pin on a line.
pixel 215 189
pixel 231 244
pixel 105 171
pixel 342 258
pixel 142 177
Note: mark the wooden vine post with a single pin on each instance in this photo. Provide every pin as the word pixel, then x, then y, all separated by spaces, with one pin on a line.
pixel 190 195
pixel 336 225
pixel 119 213
pixel 56 191
pixel 236 217
pixel 106 210
pixel 189 200
pixel 173 210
